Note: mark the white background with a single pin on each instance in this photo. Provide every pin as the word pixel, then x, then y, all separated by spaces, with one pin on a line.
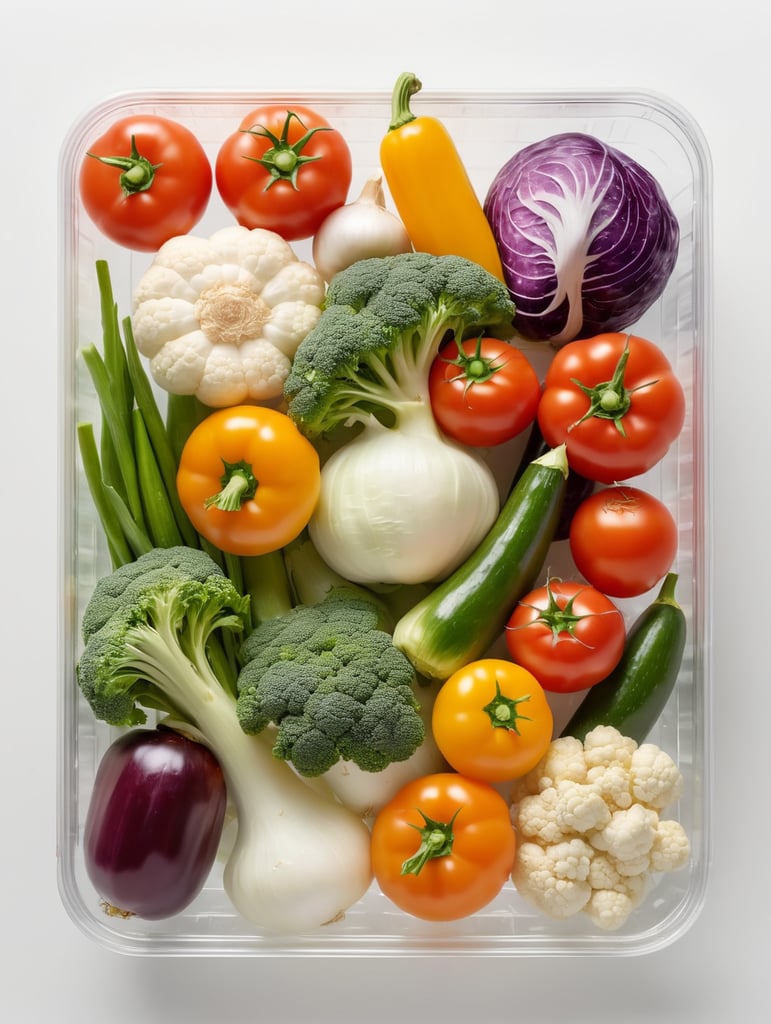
pixel 57 61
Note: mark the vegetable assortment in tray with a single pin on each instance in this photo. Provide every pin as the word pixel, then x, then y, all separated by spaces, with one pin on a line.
pixel 385 505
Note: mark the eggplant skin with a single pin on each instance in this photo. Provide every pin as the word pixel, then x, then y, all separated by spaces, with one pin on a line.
pixel 154 823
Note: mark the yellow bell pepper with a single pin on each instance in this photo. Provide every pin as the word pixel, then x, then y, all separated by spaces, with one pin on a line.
pixel 430 186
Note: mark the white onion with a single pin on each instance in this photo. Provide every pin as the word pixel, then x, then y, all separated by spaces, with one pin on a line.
pixel 357 231
pixel 402 505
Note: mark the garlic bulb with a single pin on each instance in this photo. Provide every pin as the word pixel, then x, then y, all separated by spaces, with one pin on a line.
pixel 357 231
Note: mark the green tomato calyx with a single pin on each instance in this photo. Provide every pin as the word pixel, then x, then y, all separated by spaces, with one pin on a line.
pixel 436 839
pixel 137 174
pixel 473 369
pixel 283 159
pixel 504 712
pixel 611 399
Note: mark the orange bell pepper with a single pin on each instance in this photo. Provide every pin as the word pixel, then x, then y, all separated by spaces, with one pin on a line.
pixel 248 479
pixel 430 186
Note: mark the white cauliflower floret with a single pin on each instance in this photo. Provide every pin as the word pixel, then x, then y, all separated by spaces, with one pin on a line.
pixel 588 826
pixel 535 874
pixel 603 873
pixel 564 759
pixel 605 747
pixel 221 317
pixel 614 896
pixel 571 859
pixel 580 808
pixel 628 835
pixel 535 817
pixel 671 848
pixel 613 784
pixel 609 909
pixel 553 814
pixel 655 778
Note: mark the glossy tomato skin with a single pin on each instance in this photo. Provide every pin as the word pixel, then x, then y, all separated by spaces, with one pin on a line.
pixel 623 540
pixel 489 398
pixel 596 447
pixel 174 202
pixel 492 721
pixel 294 211
pixel 472 874
pixel 154 822
pixel 568 634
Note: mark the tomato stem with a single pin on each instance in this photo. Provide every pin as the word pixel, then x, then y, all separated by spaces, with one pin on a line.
pixel 611 399
pixel 504 711
pixel 239 484
pixel 436 839
pixel 284 159
pixel 474 369
pixel 138 173
pixel 559 619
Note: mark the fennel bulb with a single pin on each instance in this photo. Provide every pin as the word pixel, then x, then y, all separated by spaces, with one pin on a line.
pixel 404 504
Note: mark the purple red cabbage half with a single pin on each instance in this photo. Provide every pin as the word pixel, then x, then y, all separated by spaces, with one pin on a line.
pixel 586 236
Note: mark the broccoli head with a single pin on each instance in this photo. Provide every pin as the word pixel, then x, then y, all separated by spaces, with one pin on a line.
pixel 148 630
pixel 333 683
pixel 383 322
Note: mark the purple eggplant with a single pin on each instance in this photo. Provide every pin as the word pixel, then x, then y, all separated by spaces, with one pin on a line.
pixel 154 823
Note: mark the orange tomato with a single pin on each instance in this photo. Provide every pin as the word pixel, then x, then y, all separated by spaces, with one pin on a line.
pixel 248 479
pixel 492 721
pixel 443 847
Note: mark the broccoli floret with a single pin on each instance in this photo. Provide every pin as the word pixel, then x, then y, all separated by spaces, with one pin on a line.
pixel 147 630
pixel 383 322
pixel 333 683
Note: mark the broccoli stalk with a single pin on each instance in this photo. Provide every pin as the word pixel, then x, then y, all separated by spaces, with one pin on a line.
pixel 147 630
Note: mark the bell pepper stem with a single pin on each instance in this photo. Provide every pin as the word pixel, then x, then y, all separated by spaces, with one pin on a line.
pixel 239 484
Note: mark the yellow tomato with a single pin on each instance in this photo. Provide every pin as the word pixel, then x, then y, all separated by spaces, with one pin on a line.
pixel 492 721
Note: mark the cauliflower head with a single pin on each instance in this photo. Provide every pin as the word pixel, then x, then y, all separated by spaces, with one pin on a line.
pixel 221 317
pixel 589 826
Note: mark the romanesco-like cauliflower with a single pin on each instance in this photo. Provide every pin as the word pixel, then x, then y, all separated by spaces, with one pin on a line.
pixel 222 317
pixel 591 835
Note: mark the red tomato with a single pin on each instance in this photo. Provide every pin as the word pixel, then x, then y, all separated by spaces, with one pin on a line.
pixel 284 169
pixel 623 540
pixel 615 402
pixel 443 847
pixel 483 393
pixel 491 720
pixel 144 181
pixel 568 634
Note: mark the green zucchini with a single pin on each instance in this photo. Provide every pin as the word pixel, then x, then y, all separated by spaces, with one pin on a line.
pixel 464 614
pixel 633 696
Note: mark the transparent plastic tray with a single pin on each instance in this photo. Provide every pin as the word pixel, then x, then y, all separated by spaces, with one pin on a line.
pixel 488 129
